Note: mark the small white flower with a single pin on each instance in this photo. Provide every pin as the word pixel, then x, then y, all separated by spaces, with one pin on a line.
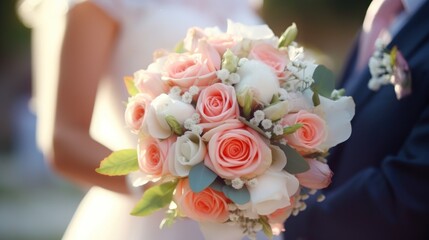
pixel 196 118
pixel 175 91
pixel 259 115
pixel 234 78
pixel 189 123
pixel 193 90
pixel 268 134
pixel 197 129
pixel 267 123
pixel 254 122
pixel 278 129
pixel 187 97
pixel 252 182
pixel 222 74
pixel 237 183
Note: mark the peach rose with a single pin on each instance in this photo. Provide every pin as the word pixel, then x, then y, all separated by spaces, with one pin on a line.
pixel 271 56
pixel 206 206
pixel 150 83
pixel 135 112
pixel 198 69
pixel 317 177
pixel 235 150
pixel 152 156
pixel 312 133
pixel 216 104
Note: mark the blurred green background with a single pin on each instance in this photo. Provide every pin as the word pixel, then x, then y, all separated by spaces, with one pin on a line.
pixel 37 204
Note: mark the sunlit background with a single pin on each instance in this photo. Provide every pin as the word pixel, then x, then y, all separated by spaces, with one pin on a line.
pixel 36 203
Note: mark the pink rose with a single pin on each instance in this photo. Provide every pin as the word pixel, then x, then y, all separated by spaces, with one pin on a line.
pixel 208 205
pixel 198 69
pixel 150 83
pixel 273 57
pixel 222 42
pixel 135 112
pixel 153 156
pixel 312 133
pixel 216 104
pixel 317 177
pixel 235 150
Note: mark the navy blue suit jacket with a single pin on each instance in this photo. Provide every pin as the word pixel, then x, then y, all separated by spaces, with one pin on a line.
pixel 380 187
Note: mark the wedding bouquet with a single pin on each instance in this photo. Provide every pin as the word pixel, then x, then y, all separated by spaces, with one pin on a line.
pixel 233 130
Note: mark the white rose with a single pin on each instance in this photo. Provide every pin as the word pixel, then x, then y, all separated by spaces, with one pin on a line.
pixel 337 115
pixel 259 78
pixel 189 150
pixel 272 191
pixel 254 32
pixel 161 107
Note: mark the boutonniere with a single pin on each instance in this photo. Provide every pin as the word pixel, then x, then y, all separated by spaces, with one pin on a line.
pixel 389 67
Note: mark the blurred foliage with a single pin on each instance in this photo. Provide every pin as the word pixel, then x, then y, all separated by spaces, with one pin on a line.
pixel 327 27
pixel 15 36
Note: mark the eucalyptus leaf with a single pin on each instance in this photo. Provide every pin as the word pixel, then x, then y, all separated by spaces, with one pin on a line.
pixel 324 81
pixel 155 198
pixel 238 196
pixel 295 162
pixel 200 177
pixel 217 184
pixel 131 87
pixel 119 163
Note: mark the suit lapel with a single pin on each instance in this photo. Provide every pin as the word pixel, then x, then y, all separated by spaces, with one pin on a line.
pixel 408 39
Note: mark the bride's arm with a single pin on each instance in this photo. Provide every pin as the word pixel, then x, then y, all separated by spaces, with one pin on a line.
pixel 88 42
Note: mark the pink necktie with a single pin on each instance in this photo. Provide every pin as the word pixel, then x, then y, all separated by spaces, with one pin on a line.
pixel 379 16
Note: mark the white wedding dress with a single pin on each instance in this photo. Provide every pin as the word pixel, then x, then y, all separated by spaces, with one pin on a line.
pixel 145 25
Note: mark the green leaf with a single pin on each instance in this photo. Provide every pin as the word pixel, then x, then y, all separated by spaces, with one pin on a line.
pixel 200 177
pixel 155 198
pixel 295 162
pixel 131 87
pixel 288 36
pixel 174 125
pixel 238 196
pixel 248 100
pixel 229 61
pixel 315 98
pixel 324 81
pixel 180 47
pixel 266 227
pixel 119 163
pixel 292 129
pixel 169 219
